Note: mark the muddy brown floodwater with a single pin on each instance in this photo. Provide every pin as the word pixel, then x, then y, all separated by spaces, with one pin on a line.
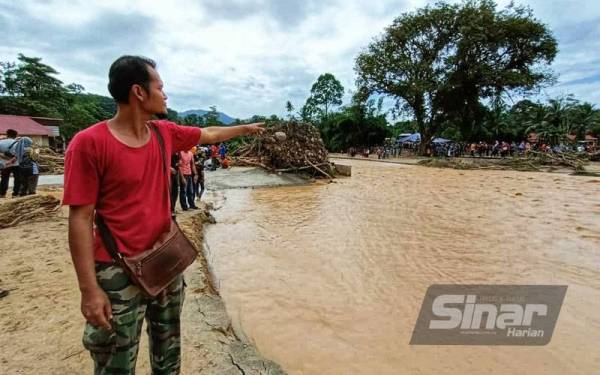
pixel 329 278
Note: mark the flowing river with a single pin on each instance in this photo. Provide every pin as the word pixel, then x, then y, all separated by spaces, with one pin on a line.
pixel 329 278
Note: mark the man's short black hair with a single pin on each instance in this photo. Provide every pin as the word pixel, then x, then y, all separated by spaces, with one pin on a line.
pixel 127 71
pixel 11 133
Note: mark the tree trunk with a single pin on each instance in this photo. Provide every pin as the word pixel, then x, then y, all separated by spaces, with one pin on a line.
pixel 426 135
pixel 424 129
pixel 424 149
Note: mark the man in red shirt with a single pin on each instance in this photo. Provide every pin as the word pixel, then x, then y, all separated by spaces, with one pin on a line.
pixel 114 168
pixel 187 171
pixel 214 154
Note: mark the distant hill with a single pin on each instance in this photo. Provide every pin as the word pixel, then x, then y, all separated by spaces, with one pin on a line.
pixel 225 119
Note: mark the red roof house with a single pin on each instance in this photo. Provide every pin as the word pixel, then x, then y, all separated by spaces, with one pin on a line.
pixel 25 126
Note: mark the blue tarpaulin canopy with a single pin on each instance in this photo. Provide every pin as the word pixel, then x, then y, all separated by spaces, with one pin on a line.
pixel 416 137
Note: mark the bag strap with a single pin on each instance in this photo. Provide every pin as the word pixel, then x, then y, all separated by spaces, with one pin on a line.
pixel 109 241
pixel 161 142
pixel 163 153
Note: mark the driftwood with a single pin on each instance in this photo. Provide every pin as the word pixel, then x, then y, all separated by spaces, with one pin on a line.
pixel 50 162
pixel 23 209
pixel 245 161
pixel 320 170
pixel 532 162
pixel 305 167
pixel 566 159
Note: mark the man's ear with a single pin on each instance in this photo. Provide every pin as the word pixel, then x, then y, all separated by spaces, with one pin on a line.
pixel 139 92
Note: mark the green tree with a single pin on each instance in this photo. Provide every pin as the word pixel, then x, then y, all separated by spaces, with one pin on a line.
pixel 78 117
pixel 212 116
pixel 553 122
pixel 193 119
pixel 172 115
pixel 586 119
pixel 362 123
pixel 310 112
pixel 30 88
pixel 442 62
pixel 403 127
pixel 522 114
pixel 326 93
pixel 85 110
pixel 289 107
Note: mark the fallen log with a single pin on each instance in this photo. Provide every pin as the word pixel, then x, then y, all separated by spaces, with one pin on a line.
pixel 320 170
pixel 305 167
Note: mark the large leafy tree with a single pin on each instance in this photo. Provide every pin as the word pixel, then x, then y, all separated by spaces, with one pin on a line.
pixel 30 88
pixel 362 123
pixel 442 63
pixel 325 93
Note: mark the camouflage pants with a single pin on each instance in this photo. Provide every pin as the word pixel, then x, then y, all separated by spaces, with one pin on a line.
pixel 116 352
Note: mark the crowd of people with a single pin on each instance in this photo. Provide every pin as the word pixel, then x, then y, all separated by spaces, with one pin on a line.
pixel 18 159
pixel 187 173
pixel 497 149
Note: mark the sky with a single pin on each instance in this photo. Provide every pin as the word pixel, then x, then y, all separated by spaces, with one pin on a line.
pixel 250 57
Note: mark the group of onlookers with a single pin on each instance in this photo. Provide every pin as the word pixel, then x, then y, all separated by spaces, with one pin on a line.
pixel 499 149
pixel 187 173
pixel 18 159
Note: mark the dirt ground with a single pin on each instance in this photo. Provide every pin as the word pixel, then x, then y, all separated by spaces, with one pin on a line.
pixel 41 325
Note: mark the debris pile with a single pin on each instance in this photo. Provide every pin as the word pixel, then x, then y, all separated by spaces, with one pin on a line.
pixel 562 159
pixel 50 162
pixel 18 210
pixel 287 146
pixel 533 162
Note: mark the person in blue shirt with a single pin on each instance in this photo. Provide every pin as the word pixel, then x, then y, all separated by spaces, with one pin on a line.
pixel 222 151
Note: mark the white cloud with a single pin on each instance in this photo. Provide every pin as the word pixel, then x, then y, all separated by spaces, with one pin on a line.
pixel 246 57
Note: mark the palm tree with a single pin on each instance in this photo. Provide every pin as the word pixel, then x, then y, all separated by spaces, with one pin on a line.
pixel 586 118
pixel 554 122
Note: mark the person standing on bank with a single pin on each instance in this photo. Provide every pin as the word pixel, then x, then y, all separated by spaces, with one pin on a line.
pixel 187 171
pixel 5 162
pixel 105 165
pixel 199 181
pixel 8 143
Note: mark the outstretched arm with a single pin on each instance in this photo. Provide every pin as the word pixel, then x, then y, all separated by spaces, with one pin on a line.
pixel 216 134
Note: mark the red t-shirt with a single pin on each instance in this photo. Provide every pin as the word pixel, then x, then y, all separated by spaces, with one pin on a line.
pixel 126 184
pixel 185 160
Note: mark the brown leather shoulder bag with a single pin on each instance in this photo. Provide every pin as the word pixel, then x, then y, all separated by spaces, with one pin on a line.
pixel 154 269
